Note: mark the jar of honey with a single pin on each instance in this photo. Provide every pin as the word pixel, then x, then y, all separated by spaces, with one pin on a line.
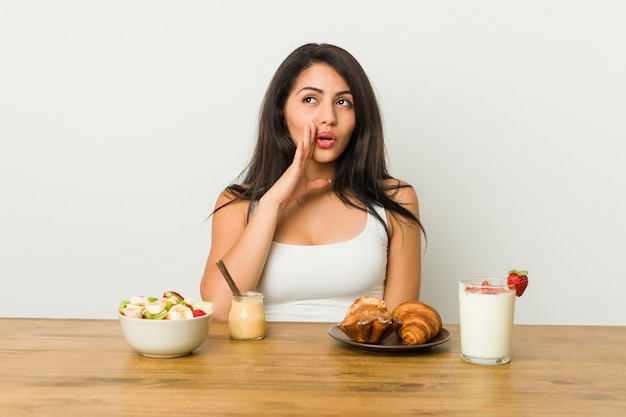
pixel 246 320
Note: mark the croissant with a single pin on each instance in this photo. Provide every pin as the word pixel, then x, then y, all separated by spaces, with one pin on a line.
pixel 368 320
pixel 420 322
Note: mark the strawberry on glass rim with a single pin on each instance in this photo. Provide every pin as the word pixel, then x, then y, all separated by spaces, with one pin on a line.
pixel 518 280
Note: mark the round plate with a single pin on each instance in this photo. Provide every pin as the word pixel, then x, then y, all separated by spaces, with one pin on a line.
pixel 391 343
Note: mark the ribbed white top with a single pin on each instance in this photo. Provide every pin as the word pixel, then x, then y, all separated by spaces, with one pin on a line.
pixel 320 282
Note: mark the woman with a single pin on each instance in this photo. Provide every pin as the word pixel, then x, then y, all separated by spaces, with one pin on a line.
pixel 317 220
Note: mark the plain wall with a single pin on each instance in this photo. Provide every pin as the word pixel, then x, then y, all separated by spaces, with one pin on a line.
pixel 121 121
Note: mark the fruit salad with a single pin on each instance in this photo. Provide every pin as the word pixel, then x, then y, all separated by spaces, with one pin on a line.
pixel 171 306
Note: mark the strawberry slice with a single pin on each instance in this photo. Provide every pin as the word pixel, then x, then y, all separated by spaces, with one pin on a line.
pixel 198 313
pixel 518 280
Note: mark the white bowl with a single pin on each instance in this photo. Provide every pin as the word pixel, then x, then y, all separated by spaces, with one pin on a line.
pixel 165 338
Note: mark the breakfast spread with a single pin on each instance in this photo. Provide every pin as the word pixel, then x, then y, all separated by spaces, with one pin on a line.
pixel 171 306
pixel 369 321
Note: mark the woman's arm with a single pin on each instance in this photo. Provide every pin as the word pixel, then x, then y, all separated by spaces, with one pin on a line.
pixel 244 245
pixel 405 253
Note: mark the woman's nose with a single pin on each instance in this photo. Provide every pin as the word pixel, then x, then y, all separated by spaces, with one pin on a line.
pixel 327 115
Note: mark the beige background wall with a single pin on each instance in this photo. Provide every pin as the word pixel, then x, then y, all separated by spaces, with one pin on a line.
pixel 120 121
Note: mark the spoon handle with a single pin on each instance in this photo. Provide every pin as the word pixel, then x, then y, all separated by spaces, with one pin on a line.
pixel 229 279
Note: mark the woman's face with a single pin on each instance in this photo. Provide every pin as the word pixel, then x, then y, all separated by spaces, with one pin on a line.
pixel 322 97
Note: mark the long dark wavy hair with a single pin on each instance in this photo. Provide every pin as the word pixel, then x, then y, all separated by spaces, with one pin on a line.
pixel 361 169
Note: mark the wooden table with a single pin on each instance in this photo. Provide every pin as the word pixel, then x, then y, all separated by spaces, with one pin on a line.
pixel 85 368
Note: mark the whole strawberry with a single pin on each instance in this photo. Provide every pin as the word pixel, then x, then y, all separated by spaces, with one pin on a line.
pixel 518 280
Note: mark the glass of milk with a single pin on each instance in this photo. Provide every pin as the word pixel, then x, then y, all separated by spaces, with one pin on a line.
pixel 246 320
pixel 486 310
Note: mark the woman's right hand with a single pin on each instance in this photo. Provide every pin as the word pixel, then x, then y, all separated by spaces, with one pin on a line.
pixel 294 184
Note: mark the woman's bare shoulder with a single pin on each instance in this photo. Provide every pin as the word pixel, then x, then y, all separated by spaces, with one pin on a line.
pixel 228 202
pixel 400 191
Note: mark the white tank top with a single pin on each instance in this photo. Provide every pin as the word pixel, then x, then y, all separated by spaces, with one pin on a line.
pixel 320 282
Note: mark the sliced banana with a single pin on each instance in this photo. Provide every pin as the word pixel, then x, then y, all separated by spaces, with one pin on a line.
pixel 180 311
pixel 132 310
pixel 155 307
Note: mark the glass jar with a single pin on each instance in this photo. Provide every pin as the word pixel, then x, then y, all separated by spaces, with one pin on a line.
pixel 246 320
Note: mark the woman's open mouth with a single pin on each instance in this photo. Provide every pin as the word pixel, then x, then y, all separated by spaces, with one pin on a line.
pixel 326 140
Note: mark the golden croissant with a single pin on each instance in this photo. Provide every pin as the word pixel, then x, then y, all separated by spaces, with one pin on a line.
pixel 420 322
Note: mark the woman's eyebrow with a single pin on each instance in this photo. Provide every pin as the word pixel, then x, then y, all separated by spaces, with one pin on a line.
pixel 317 90
pixel 344 92
pixel 320 91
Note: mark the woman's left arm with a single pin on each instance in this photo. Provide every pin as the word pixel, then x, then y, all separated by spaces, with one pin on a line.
pixel 404 258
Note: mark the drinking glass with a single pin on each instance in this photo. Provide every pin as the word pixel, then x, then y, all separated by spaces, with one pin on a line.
pixel 486 312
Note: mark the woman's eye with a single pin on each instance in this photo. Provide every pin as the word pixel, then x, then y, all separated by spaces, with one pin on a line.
pixel 344 102
pixel 310 100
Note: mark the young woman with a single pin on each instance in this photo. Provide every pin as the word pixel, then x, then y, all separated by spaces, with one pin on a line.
pixel 317 220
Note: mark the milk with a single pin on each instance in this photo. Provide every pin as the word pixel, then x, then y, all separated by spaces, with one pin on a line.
pixel 486 321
